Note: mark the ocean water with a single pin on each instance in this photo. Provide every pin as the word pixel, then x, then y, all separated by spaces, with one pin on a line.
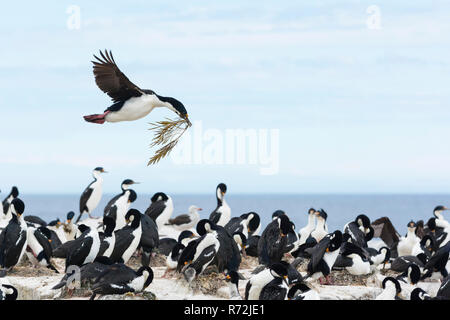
pixel 400 208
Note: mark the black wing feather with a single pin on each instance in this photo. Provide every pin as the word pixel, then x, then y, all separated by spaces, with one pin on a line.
pixel 111 80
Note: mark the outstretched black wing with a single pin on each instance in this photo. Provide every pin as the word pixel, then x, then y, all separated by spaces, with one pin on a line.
pixel 112 81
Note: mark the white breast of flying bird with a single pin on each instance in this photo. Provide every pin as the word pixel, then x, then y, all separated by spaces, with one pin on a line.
pixel 135 108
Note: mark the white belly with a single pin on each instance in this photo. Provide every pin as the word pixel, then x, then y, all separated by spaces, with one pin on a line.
pixel 225 214
pixel 94 248
pixel 122 209
pixel 166 214
pixel 95 197
pixel 135 108
pixel 133 246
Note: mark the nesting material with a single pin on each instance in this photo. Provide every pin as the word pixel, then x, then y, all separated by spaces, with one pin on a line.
pixel 167 134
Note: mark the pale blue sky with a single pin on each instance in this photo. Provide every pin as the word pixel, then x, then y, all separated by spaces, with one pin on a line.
pixel 358 110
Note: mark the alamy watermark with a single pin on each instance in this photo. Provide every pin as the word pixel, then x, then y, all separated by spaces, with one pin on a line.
pixel 373 21
pixel 73 22
pixel 255 147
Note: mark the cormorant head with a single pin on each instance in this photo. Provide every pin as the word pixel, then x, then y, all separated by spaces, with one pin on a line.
pixel 70 216
pixel 205 226
pixel 221 190
pixel 363 221
pixel 159 196
pixel 279 270
pixel 176 106
pixel 278 213
pixel 411 226
pixel 18 207
pixel 253 221
pixel 387 254
pixel 133 216
pixel 394 281
pixel 438 210
pixel 14 192
pixel 184 235
pixel 413 272
pixel 128 183
pixel 284 224
pixel 147 272
pixel 100 170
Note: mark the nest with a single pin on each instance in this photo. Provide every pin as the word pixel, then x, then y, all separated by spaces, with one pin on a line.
pixel 206 283
pixel 344 278
pixel 249 263
pixel 167 134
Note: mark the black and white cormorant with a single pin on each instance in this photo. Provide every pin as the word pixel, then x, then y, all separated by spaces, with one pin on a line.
pixel 359 229
pixel 411 275
pixel 130 102
pixel 160 208
pixel 253 222
pixel 436 266
pixel 39 248
pixel 87 275
pixel 13 239
pixel 228 257
pixel 83 249
pixel 149 239
pixel 107 237
pixel 202 254
pixel 323 256
pixel 222 214
pixel 186 221
pixel 92 195
pixel 262 285
pixel 353 259
pixel 273 241
pixel 127 238
pixel 391 289
pixel 118 206
pixel 121 279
